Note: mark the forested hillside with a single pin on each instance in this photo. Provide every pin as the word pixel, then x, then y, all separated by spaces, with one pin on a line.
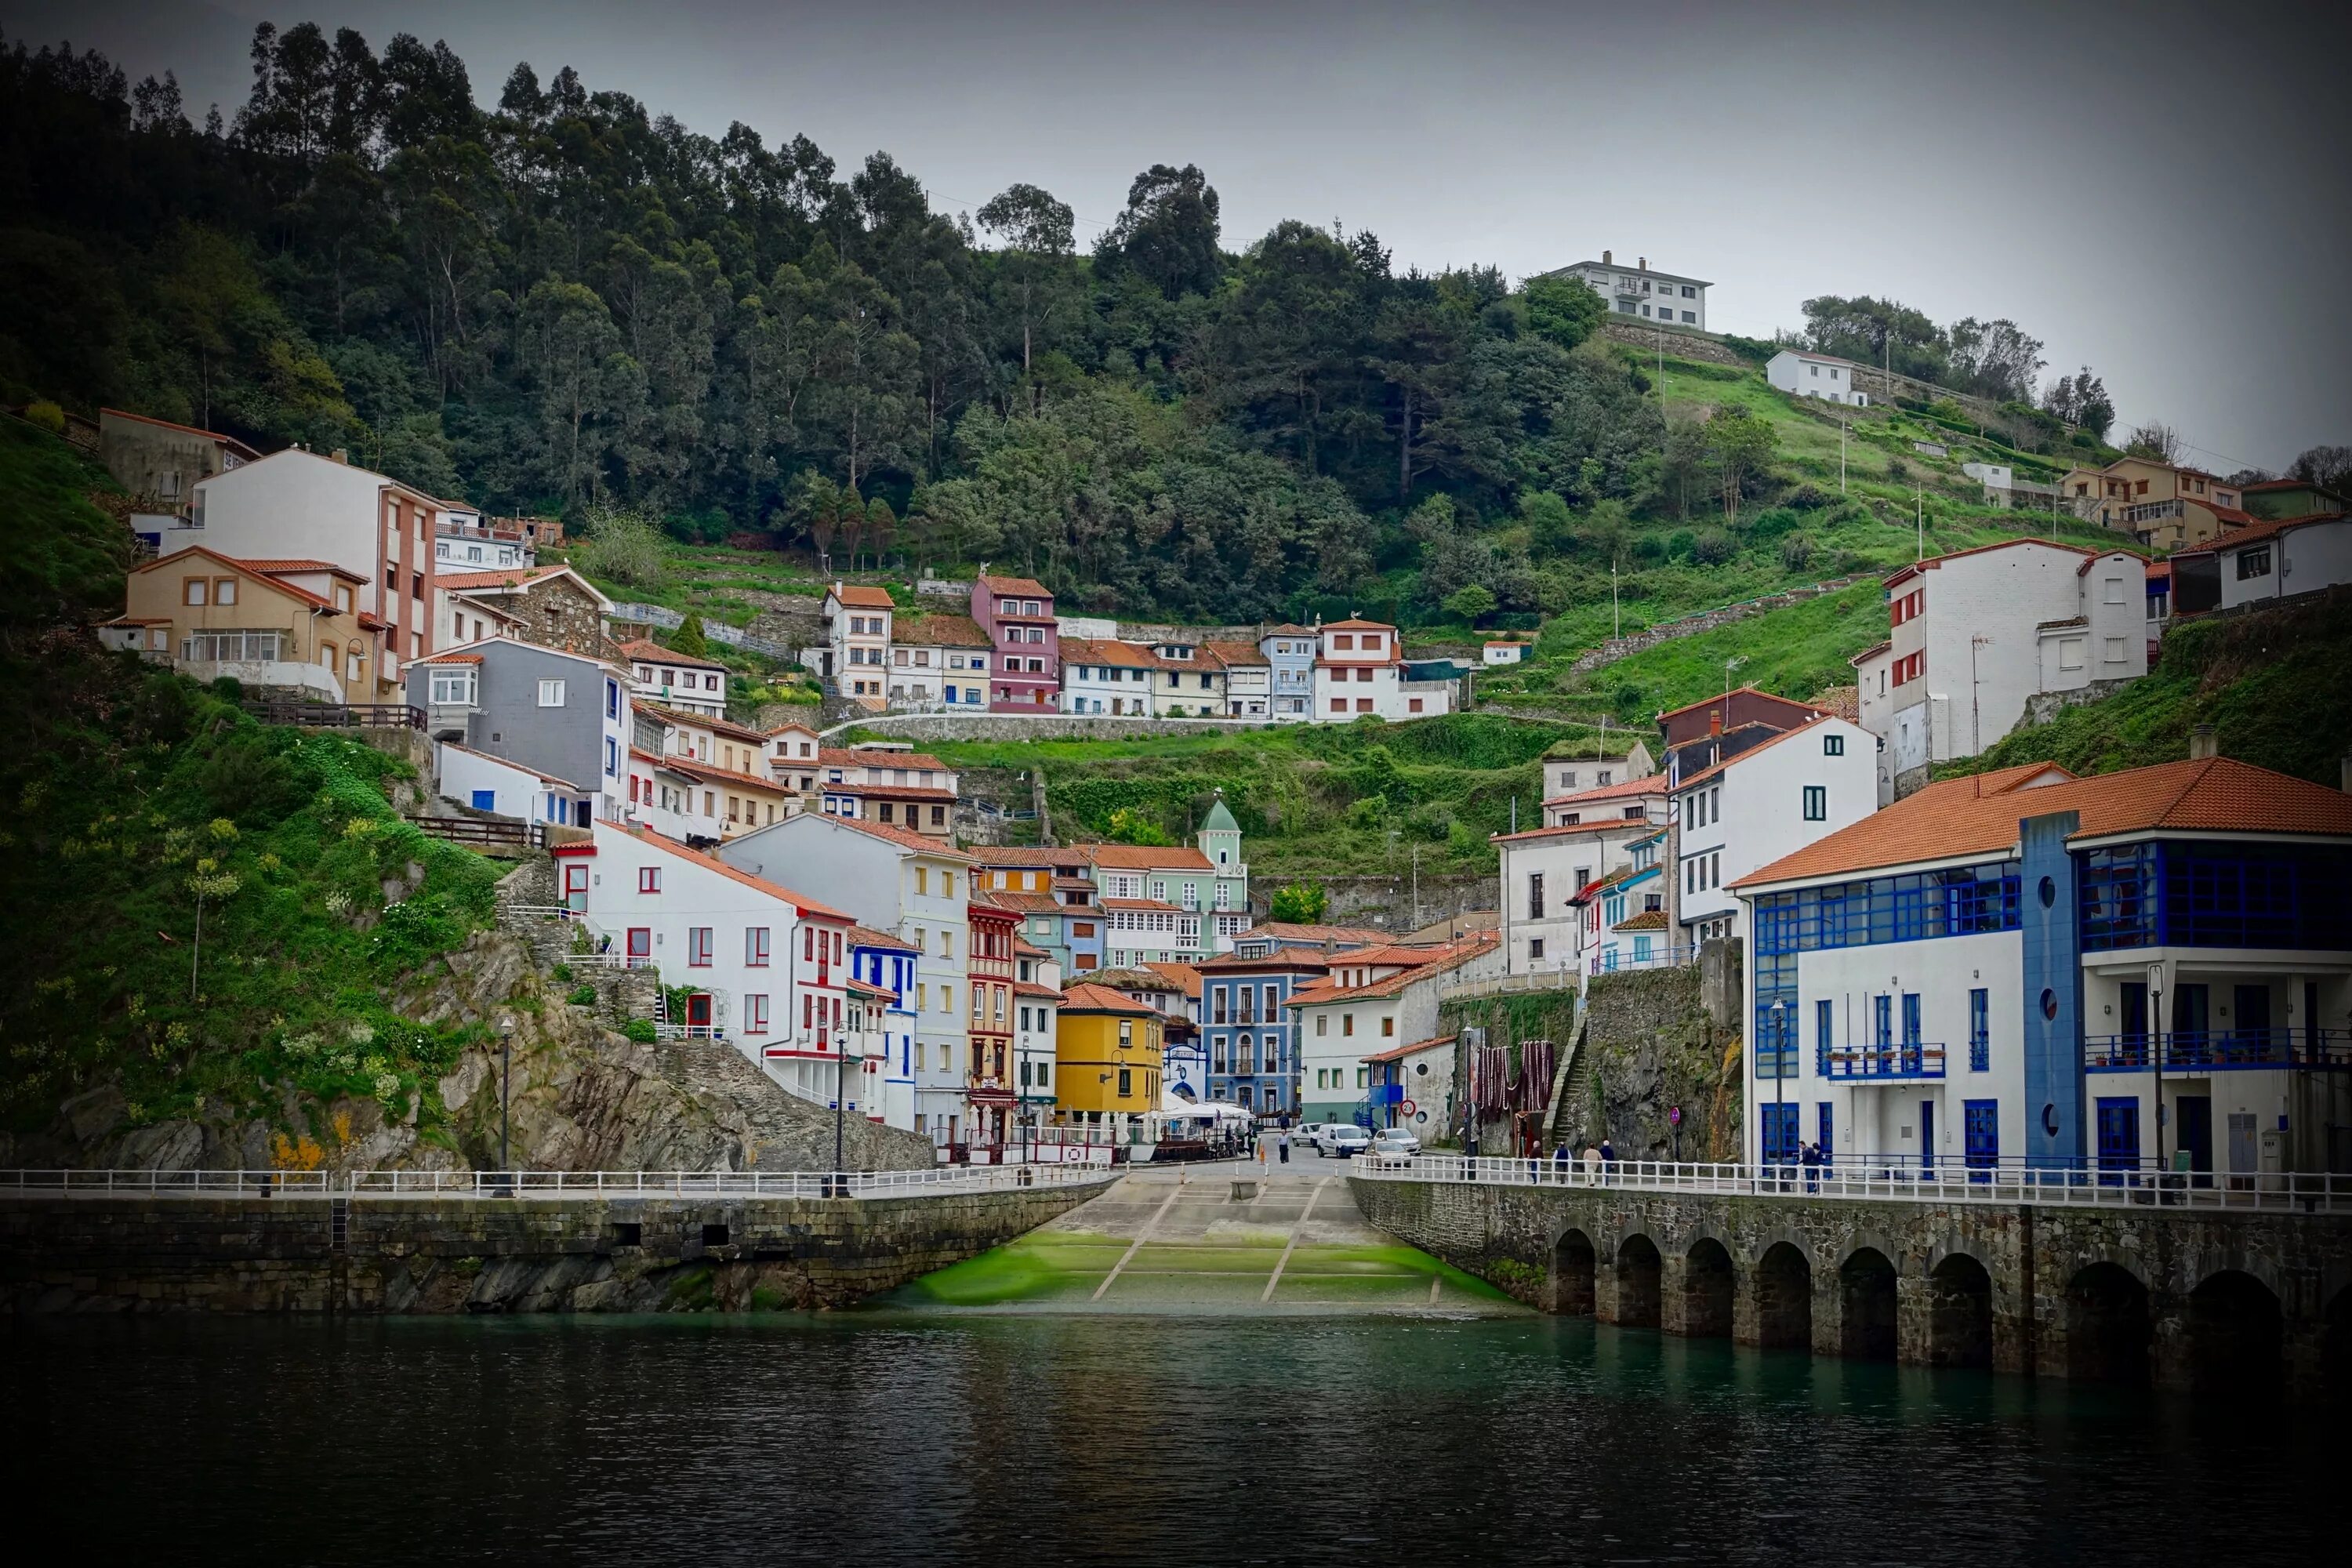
pixel 568 300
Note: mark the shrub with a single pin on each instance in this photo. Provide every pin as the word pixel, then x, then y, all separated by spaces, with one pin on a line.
pixel 640 1030
pixel 48 416
pixel 1299 904
pixel 1897 470
pixel 582 996
pixel 1680 543
pixel 563 971
pixel 1796 550
pixel 1651 548
pixel 1773 522
pixel 1714 547
pixel 1810 498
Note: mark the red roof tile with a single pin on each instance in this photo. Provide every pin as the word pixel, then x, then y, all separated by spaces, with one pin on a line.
pixel 860 597
pixel 1087 997
pixel 653 653
pixel 806 906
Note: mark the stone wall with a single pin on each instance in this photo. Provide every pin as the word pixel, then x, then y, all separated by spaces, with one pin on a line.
pixel 1393 903
pixel 2044 706
pixel 1894 1279
pixel 1653 1047
pixel 1681 342
pixel 1044 727
pixel 493 1254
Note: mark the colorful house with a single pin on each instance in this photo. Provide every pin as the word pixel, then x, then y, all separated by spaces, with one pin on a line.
pixel 1106 1065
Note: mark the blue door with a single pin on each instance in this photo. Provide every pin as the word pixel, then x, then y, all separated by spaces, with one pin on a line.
pixel 2118 1138
pixel 1911 1062
pixel 1927 1134
pixel 486 800
pixel 1981 1126
pixel 1780 1134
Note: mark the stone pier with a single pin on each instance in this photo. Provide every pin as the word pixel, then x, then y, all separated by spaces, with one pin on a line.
pixel 2180 1297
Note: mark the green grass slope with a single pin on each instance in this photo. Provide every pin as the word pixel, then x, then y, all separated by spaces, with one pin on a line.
pixel 2276 686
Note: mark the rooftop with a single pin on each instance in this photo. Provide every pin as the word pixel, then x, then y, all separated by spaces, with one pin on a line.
pixel 653 653
pixel 860 597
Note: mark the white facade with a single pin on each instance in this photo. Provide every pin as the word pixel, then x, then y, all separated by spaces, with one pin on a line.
pixel 938 663
pixel 1802 374
pixel 1105 675
pixel 1644 295
pixel 486 783
pixel 1501 653
pixel 678 680
pixel 2302 559
pixel 1572 776
pixel 1359 670
pixel 913 888
pixel 1976 634
pixel 857 653
pixel 765 965
pixel 1770 801
pixel 1249 685
pixel 1544 868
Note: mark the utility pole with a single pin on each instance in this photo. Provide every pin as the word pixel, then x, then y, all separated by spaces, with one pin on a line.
pixel 1976 732
pixel 1616 617
pixel 1842 428
pixel 1919 514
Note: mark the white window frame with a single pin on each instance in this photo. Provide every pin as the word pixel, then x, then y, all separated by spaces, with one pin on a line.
pixel 551 693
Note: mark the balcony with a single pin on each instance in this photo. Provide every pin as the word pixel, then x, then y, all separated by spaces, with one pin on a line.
pixel 1906 1063
pixel 2222 1050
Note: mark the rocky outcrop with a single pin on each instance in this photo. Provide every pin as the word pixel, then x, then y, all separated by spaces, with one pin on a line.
pixel 1653 1048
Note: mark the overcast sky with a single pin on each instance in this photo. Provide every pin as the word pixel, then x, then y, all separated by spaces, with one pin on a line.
pixel 2158 190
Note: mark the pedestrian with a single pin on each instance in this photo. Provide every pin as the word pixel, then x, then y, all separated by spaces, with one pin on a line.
pixel 1810 1158
pixel 1560 1159
pixel 1282 1143
pixel 1592 1166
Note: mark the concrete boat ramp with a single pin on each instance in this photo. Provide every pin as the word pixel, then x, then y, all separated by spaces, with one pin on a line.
pixel 1212 1240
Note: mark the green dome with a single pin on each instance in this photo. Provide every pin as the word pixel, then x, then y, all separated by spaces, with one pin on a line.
pixel 1219 820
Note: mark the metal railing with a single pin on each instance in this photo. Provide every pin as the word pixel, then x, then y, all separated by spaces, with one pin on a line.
pixel 2209 1050
pixel 484 830
pixel 339 715
pixel 1609 962
pixel 1886 1179
pixel 1912 1059
pixel 562 1185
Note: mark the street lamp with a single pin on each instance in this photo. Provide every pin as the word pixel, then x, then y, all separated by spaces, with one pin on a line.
pixel 1779 1056
pixel 506 1092
pixel 841 1093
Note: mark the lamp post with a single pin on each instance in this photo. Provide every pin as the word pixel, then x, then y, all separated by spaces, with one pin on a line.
pixel 1779 1058
pixel 841 1094
pixel 506 1090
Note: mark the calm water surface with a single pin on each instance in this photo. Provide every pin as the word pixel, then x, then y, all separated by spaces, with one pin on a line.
pixel 893 1435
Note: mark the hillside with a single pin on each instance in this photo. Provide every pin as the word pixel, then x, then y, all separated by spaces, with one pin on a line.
pixel 2276 686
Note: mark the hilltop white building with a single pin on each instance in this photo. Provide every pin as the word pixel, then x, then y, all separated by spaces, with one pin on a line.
pixel 1641 293
pixel 1801 373
pixel 1359 670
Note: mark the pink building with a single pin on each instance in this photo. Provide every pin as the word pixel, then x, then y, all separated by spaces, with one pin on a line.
pixel 1018 616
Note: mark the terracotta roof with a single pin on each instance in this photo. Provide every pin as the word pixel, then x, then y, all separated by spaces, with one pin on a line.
pixel 1141 858
pixel 1027 588
pixel 1646 920
pixel 1715 770
pixel 939 631
pixel 1089 997
pixel 185 429
pixel 2232 515
pixel 1623 789
pixel 1106 651
pixel 1029 903
pixel 711 772
pixel 274 567
pixel 1912 569
pixel 1186 977
pixel 246 567
pixel 1842 703
pixel 1979 815
pixel 2255 532
pixel 867 988
pixel 793 726
pixel 1285 958
pixel 1396 1053
pixel 905 838
pixel 1157 904
pixel 1021 946
pixel 837 757
pixel 653 653
pixel 506 577
pixel 1872 651
pixel 1031 988
pixel 1357 626
pixel 1441 960
pixel 860 597
pixel 1241 653
pixel 712 863
pixel 703 721
pixel 1357 935
pixel 889 791
pixel 448 658
pixel 1723 699
pixel 867 936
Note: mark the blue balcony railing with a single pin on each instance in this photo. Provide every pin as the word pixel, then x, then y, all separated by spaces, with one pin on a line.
pixel 2221 1051
pixel 1914 1059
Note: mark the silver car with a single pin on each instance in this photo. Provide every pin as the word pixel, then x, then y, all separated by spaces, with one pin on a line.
pixel 1395 1141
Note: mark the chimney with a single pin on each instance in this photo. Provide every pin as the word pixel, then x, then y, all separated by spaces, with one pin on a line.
pixel 1645 263
pixel 1715 721
pixel 2204 742
pixel 341 455
pixel 1604 259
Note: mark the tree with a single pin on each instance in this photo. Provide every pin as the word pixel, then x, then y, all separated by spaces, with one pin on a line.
pixel 1168 235
pixel 1299 903
pixel 1472 602
pixel 1037 233
pixel 881 527
pixel 1739 444
pixel 1995 359
pixel 2329 468
pixel 1562 310
pixel 690 638
pixel 2156 441
pixel 1129 825
pixel 621 546
pixel 2082 399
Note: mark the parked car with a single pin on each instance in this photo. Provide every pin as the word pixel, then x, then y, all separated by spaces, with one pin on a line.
pixel 1395 1141
pixel 1342 1138
pixel 1306 1131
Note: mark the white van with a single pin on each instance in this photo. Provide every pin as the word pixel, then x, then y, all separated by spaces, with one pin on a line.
pixel 1340 1138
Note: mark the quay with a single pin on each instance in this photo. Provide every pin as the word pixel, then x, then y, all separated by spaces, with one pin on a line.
pixel 2243 1287
pixel 473 1241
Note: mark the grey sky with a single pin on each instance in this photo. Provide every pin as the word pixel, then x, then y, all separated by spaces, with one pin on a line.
pixel 2158 190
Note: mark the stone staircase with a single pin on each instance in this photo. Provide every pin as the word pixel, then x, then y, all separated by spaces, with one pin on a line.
pixel 1572 1087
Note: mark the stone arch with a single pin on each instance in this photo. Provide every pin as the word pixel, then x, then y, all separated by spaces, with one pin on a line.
pixel 1572 1267
pixel 2236 1334
pixel 1783 1283
pixel 1639 1267
pixel 2107 1324
pixel 1866 1305
pixel 1959 1312
pixel 1707 1290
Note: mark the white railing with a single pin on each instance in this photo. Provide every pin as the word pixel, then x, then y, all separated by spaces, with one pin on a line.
pixel 567 1185
pixel 1888 1180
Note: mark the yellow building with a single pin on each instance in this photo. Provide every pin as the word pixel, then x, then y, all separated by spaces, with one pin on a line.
pixel 1106 1058
pixel 295 625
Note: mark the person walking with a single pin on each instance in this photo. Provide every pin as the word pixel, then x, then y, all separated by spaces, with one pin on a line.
pixel 1282 1144
pixel 1592 1166
pixel 1608 1160
pixel 1810 1158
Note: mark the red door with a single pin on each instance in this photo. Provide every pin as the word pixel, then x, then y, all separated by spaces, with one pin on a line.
pixel 698 1010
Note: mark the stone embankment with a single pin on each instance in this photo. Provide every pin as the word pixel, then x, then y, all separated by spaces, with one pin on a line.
pixel 1616 648
pixel 403 1255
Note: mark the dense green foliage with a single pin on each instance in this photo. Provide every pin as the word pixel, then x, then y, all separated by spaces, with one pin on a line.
pixel 134 794
pixel 2276 686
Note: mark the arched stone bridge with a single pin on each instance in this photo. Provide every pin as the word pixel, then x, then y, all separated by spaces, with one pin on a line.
pixel 2193 1299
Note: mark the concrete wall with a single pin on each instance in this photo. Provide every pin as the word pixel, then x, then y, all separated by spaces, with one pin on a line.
pixel 466 1255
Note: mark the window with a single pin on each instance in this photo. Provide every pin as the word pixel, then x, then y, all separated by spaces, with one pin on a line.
pixel 697 947
pixel 2111 651
pixel 2070 654
pixel 452 688
pixel 1824 1028
pixel 1833 746
pixel 1535 948
pixel 1691 316
pixel 1388 1027
pixel 649 879
pixel 1980 1030
pixel 1322 1024
pixel 1817 803
pixel 225 591
pixel 551 694
pixel 755 946
pixel 1535 895
pixel 923 880
pixel 755 1014
pixel 611 757
pixel 195 591
pixel 2254 562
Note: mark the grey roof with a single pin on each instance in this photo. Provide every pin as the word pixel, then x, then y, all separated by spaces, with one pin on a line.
pixel 1621 267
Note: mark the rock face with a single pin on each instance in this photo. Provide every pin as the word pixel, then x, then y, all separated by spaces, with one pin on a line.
pixel 579 1096
pixel 1653 1048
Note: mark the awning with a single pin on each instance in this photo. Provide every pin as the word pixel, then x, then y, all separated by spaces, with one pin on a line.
pixel 981 1094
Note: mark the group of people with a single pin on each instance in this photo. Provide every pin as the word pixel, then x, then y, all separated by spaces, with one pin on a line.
pixel 1598 1158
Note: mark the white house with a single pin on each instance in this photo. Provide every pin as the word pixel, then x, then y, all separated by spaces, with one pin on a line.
pixel 1106 676
pixel 506 788
pixel 1037 1004
pixel 887 963
pixel 764 965
pixel 2269 560
pixel 297 504
pixel 677 679
pixel 1359 670
pixel 1586 837
pixel 1373 1000
pixel 856 651
pixel 793 748
pixel 1801 373
pixel 1572 775
pixel 1992 970
pixel 1759 806
pixel 464 543
pixel 1640 293
pixel 1249 679
pixel 910 886
pixel 938 662
pixel 1976 633
pixel 1502 653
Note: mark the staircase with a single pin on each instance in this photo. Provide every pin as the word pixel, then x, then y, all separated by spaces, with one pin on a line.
pixel 1571 1086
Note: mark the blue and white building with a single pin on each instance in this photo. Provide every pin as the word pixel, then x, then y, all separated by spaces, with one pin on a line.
pixel 1249 1037
pixel 1290 671
pixel 886 963
pixel 2100 974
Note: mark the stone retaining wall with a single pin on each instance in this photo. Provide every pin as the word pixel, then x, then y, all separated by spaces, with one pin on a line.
pixel 471 1255
pixel 1690 625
